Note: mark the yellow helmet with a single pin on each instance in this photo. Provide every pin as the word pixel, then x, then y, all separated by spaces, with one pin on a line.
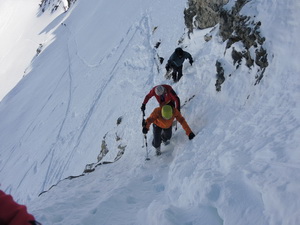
pixel 167 112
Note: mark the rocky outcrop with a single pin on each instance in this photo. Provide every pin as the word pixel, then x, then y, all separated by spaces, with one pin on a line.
pixel 202 14
pixel 53 5
pixel 233 28
pixel 220 76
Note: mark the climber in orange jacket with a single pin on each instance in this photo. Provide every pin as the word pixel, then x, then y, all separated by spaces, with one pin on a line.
pixel 162 119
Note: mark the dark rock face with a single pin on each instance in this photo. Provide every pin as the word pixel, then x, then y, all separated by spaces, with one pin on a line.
pixel 53 5
pixel 238 28
pixel 202 14
pixel 233 28
pixel 220 76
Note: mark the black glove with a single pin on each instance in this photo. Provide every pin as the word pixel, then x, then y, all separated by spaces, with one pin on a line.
pixel 191 135
pixel 191 62
pixel 145 130
pixel 167 67
pixel 35 222
pixel 143 107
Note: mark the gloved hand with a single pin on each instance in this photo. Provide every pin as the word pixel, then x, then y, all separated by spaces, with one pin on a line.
pixel 143 107
pixel 167 67
pixel 191 62
pixel 35 222
pixel 145 130
pixel 191 135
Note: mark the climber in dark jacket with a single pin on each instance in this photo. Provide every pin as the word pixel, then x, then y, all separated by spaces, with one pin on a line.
pixel 175 62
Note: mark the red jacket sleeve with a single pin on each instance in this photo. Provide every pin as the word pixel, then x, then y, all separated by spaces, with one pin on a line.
pixel 149 95
pixel 11 213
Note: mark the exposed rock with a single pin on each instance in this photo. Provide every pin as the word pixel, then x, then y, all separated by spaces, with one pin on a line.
pixel 238 28
pixel 230 20
pixel 237 57
pixel 207 37
pixel 202 14
pixel 220 76
pixel 189 14
pixel 119 120
pixel 53 5
pixel 233 28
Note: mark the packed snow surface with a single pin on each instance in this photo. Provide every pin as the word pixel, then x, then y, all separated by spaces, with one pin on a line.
pixel 85 88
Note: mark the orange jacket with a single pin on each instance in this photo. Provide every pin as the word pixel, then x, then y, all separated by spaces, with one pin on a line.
pixel 159 121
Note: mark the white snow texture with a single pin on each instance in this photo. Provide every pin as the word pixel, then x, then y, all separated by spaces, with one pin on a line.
pixel 95 64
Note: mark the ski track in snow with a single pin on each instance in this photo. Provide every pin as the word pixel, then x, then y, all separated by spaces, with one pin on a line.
pixel 98 95
pixel 144 29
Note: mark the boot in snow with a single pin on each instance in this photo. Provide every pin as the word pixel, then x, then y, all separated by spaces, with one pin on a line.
pixel 158 152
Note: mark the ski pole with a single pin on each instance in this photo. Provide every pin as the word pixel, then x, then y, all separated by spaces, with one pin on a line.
pixel 145 137
pixel 147 152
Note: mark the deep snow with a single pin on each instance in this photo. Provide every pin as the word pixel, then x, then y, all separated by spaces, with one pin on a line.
pixel 97 64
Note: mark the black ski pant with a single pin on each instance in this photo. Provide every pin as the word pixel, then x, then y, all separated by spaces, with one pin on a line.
pixel 177 73
pixel 160 134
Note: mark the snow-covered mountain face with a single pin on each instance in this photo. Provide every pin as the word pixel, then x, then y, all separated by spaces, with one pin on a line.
pixel 81 95
pixel 81 82
pixel 23 37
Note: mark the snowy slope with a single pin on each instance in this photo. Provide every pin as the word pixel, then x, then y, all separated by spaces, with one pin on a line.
pixel 20 30
pixel 241 168
pixel 71 97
